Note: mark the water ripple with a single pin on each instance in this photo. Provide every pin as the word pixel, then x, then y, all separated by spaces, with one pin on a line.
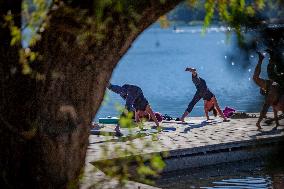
pixel 243 183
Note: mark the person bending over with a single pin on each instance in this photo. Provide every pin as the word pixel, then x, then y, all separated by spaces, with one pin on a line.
pixel 135 100
pixel 202 91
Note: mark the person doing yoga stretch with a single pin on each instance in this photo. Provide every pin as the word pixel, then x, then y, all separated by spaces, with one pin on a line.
pixel 274 95
pixel 135 100
pixel 202 91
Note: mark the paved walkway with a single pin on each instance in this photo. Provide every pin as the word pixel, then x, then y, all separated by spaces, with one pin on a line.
pixel 194 136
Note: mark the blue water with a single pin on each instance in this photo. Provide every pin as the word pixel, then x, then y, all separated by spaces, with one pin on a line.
pixel 249 174
pixel 156 62
pixel 247 182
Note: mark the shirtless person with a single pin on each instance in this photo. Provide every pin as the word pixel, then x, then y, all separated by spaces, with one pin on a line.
pixel 272 92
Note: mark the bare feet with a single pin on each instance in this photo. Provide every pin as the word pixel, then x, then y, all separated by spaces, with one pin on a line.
pixel 258 126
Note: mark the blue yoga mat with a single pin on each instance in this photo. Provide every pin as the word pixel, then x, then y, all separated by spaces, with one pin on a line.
pixel 109 120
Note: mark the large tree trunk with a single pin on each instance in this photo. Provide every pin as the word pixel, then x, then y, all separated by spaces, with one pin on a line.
pixel 45 116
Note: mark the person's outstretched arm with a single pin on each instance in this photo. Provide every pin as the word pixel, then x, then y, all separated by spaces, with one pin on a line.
pixel 115 88
pixel 192 70
pixel 137 118
pixel 259 81
pixel 150 111
pixel 219 109
pixel 205 110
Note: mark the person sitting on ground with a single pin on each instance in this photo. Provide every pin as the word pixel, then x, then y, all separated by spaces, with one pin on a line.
pixel 135 100
pixel 210 101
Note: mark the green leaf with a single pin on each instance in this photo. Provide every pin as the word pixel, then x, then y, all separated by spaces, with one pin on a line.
pixel 157 163
pixel 32 56
pixel 26 69
pixel 118 7
pixel 144 170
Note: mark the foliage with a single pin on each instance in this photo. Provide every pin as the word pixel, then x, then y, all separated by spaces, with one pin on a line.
pixel 126 161
pixel 235 13
pixel 34 14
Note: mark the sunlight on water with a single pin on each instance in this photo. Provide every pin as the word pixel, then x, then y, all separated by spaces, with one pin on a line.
pixel 243 183
pixel 200 30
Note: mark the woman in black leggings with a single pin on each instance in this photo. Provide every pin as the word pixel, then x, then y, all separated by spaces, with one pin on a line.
pixel 202 91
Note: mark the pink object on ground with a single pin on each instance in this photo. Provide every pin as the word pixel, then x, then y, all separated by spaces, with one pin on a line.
pixel 228 112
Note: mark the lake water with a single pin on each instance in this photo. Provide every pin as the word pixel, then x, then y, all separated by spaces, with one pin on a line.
pixel 250 174
pixel 156 62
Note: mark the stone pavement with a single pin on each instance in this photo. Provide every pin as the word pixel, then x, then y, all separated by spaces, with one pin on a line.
pixel 194 137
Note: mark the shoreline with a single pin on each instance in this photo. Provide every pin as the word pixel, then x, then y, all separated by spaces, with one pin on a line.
pixel 195 144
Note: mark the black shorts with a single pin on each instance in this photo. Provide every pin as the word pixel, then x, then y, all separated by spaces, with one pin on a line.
pixel 140 103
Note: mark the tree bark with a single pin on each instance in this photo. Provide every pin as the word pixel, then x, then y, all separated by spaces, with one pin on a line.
pixel 45 116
